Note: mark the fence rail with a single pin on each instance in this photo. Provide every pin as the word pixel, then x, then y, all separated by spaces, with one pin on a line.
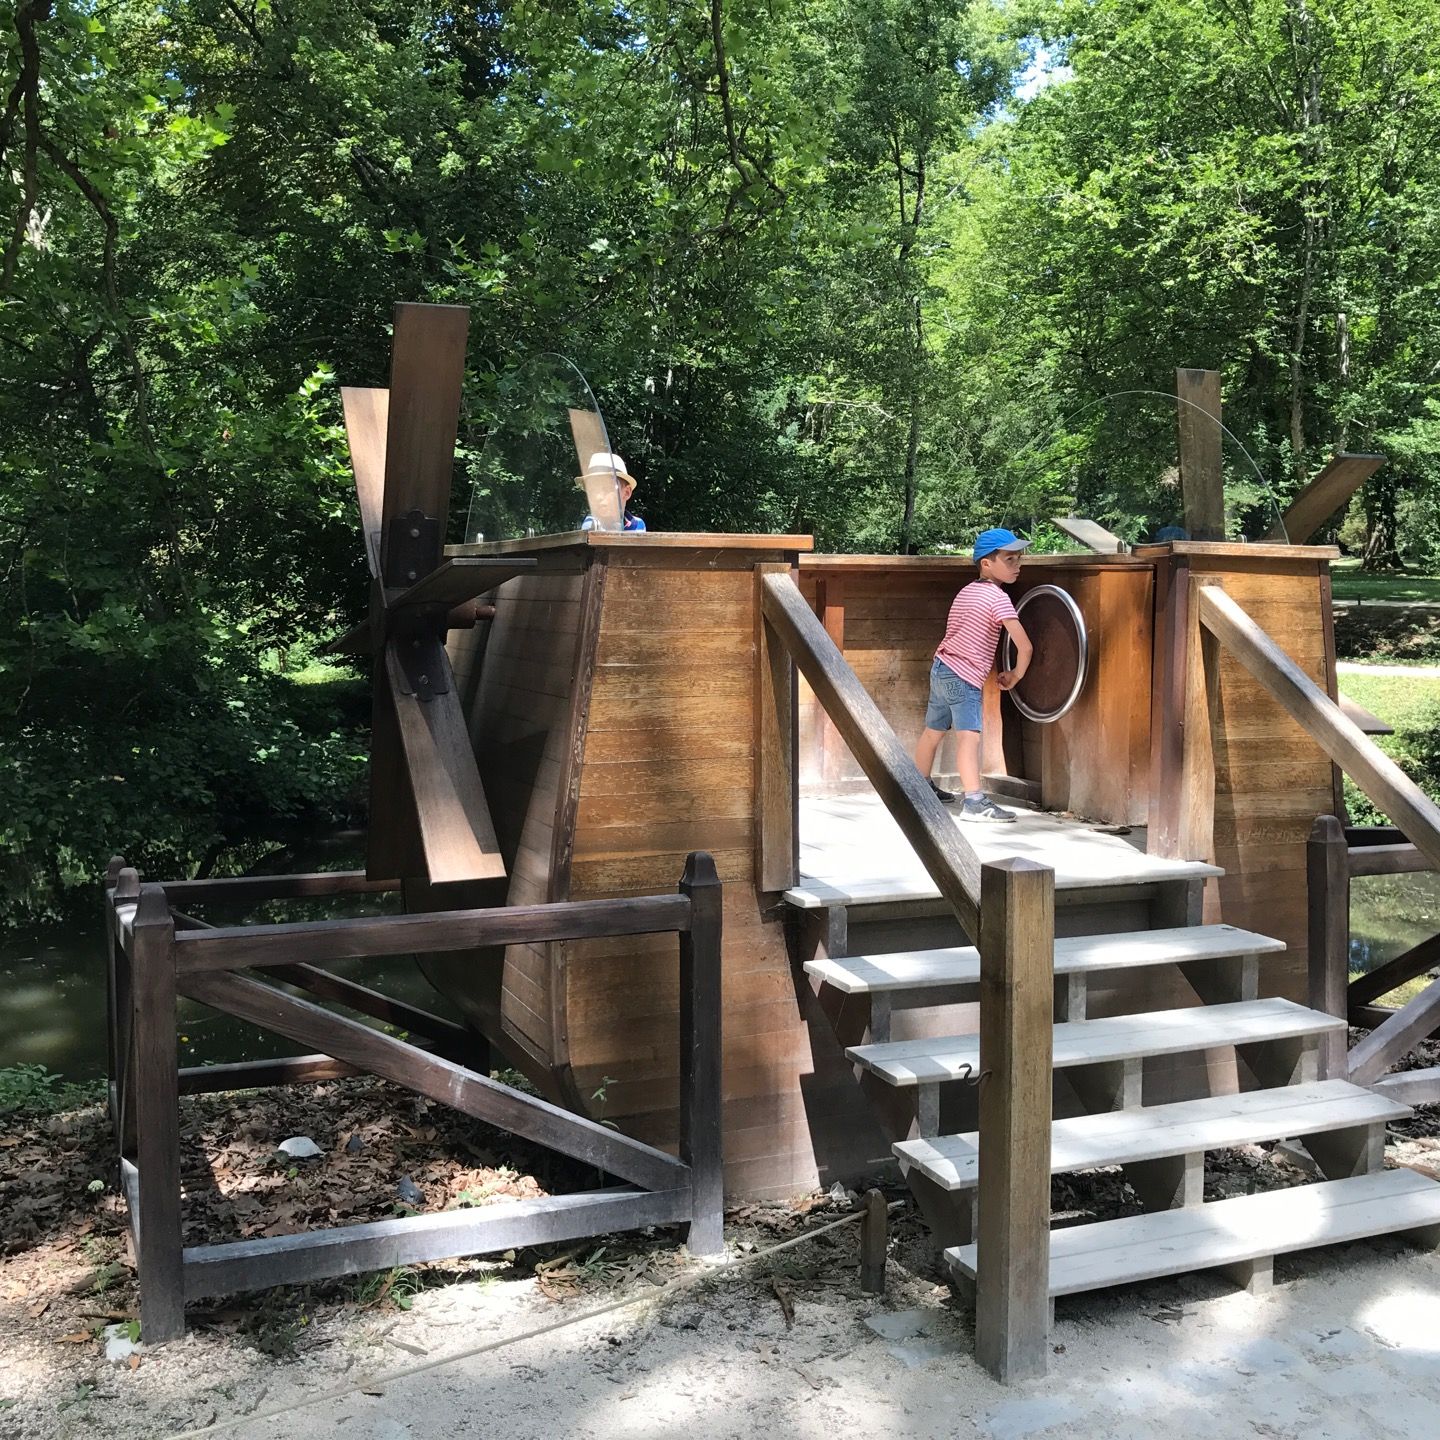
pixel 156 954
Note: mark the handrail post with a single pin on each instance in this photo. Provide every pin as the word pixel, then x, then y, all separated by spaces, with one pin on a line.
pixel 1017 964
pixel 700 1056
pixel 1327 870
pixel 156 1087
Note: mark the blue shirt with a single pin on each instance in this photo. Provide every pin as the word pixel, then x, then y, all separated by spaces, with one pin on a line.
pixel 632 522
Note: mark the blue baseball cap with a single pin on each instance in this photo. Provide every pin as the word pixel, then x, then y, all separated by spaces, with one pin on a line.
pixel 989 541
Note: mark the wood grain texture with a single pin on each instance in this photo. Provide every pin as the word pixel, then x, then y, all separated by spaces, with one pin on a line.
pixel 457 834
pixel 777 821
pixel 1201 475
pixel 1328 896
pixel 1378 776
pixel 1323 496
pixel 1017 939
pixel 427 370
pixel 367 415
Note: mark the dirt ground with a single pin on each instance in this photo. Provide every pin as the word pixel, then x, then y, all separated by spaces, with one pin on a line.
pixel 1348 1344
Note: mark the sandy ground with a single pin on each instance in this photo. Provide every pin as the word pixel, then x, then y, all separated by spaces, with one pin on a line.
pixel 1347 1345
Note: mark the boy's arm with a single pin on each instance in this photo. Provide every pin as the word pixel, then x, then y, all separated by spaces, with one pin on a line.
pixel 1023 651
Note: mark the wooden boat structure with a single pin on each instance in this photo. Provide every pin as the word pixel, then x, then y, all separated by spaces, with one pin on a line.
pixel 1151 964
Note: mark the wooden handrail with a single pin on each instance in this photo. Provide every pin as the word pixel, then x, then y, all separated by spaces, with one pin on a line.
pixel 1382 780
pixel 320 941
pixel 947 856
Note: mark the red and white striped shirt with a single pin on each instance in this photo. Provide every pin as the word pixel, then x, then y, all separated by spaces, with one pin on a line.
pixel 977 615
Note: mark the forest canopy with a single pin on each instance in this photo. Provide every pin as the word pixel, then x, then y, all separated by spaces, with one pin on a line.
pixel 880 270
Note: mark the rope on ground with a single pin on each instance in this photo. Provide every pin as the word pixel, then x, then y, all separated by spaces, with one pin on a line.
pixel 662 1292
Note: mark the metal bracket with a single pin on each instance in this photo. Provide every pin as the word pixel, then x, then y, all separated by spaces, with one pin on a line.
pixel 412 547
pixel 419 635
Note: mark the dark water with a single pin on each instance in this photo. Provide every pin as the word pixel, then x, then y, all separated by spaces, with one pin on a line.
pixel 52 982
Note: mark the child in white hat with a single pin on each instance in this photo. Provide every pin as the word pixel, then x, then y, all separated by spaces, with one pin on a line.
pixel 609 505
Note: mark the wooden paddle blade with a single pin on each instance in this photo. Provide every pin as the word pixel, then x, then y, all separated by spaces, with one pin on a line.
pixel 393 850
pixel 456 833
pixel 366 420
pixel 427 369
pixel 463 577
pixel 355 641
pixel 1323 496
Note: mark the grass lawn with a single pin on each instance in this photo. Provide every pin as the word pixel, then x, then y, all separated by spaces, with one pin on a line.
pixel 1349 583
pixel 1390 913
pixel 1399 700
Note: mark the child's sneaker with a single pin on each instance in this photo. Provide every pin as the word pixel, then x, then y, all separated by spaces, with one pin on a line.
pixel 945 797
pixel 985 811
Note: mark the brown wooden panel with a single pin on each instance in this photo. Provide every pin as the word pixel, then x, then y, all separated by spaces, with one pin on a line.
pixel 427 370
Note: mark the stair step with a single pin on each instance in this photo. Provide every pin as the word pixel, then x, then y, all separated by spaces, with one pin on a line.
pixel 1225 1232
pixel 1118 1037
pixel 815 893
pixel 1184 1128
pixel 960 965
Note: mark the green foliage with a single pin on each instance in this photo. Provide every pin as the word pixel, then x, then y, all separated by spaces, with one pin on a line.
pixel 1412 706
pixel 32 1089
pixel 828 266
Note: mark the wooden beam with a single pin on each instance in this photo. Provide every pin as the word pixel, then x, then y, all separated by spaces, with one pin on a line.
pixel 1195 827
pixel 1387 860
pixel 701 1008
pixel 1012 1279
pixel 367 417
pixel 1322 497
pixel 157 1119
pixel 1403 968
pixel 247 889
pixel 1363 719
pixel 438 1079
pixel 318 942
pixel 776 742
pixel 946 855
pixel 1411 1087
pixel 260 1074
pixel 427 371
pixel 1386 784
pixel 1170 670
pixel 1089 534
pixel 413 1239
pixel 1327 873
pixel 373 1003
pixel 1202 481
pixel 1397 1037
pixel 456 831
pixel 463 577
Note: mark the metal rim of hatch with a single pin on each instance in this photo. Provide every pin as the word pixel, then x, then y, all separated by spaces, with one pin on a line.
pixel 1082 663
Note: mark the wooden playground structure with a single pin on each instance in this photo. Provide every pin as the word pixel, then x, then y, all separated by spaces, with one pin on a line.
pixel 1151 964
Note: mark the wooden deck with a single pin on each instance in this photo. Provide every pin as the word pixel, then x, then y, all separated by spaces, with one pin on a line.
pixel 850 849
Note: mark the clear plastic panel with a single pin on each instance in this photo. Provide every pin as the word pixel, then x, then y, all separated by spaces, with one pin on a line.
pixel 1115 458
pixel 546 466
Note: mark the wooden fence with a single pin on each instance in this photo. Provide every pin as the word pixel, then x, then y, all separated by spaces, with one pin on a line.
pixel 157 953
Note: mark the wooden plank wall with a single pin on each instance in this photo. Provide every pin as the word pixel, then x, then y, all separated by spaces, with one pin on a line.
pixel 519 708
pixel 668 768
pixel 1095 761
pixel 1271 779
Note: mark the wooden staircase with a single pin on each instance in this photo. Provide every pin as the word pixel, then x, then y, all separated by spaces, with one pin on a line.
pixel 922 1087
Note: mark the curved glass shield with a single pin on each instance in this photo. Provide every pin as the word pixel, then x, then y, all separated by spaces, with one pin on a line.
pixel 1114 461
pixel 546 466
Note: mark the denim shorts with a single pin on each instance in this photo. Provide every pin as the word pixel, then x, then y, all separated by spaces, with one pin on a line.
pixel 954 703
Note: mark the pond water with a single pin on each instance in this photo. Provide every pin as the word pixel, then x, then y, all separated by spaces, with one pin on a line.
pixel 52 982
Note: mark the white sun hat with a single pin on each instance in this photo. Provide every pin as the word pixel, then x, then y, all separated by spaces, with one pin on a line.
pixel 606 462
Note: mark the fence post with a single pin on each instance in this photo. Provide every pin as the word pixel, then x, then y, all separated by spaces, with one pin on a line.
pixel 1017 963
pixel 112 1009
pixel 1327 868
pixel 700 1035
pixel 874 1241
pixel 156 1102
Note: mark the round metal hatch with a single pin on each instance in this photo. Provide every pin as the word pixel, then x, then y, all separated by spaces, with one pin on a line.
pixel 1057 672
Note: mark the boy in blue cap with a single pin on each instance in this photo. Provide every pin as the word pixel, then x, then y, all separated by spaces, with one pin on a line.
pixel 963 663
